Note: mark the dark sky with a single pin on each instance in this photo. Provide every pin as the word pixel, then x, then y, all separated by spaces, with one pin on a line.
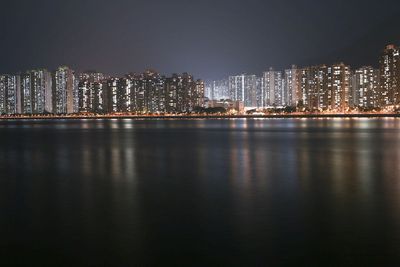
pixel 210 39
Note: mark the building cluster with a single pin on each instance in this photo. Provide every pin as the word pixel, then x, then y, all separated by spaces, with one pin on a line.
pixel 66 92
pixel 335 88
pixel 324 88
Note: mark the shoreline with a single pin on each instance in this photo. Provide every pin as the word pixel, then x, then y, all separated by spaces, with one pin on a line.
pixel 169 117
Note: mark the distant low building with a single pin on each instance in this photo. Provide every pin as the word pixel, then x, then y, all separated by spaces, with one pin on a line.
pixel 228 104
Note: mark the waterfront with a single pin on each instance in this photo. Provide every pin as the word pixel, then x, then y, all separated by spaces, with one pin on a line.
pixel 234 191
pixel 294 115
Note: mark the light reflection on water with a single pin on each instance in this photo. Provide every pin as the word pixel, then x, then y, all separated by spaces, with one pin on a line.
pixel 139 191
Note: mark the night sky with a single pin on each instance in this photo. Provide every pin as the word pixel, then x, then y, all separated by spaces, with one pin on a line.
pixel 211 39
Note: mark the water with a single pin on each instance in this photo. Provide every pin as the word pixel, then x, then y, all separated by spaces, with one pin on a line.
pixel 200 192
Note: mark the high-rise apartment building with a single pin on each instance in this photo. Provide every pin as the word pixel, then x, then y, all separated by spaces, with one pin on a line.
pixel 65 91
pixel 273 88
pixel 91 94
pixel 365 88
pixel 10 94
pixel 153 86
pixel 36 91
pixel 41 86
pixel 199 93
pixel 219 89
pixel 324 87
pixel 111 87
pixel 260 92
pixel 291 86
pixel 3 94
pixel 243 88
pixel 389 93
pixel 314 88
pixel 26 94
pixel 180 93
pixel 339 86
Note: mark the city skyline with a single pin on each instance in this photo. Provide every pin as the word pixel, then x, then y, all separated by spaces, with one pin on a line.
pixel 337 87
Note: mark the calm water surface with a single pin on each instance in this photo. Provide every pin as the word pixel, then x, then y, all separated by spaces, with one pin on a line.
pixel 200 192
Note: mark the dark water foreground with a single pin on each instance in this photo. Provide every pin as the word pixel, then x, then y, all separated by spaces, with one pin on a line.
pixel 200 192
